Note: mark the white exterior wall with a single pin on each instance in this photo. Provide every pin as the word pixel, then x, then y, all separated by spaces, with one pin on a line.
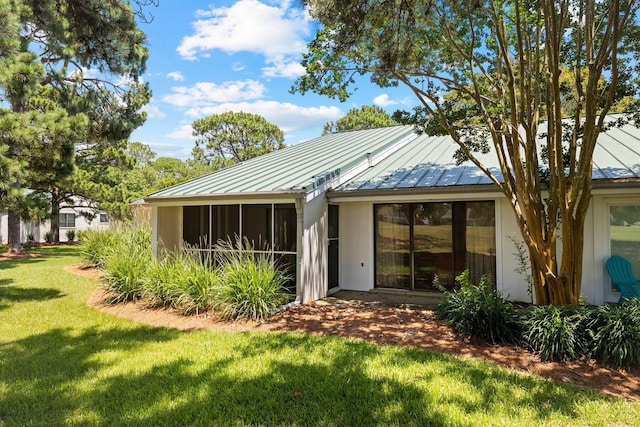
pixel 315 242
pixel 512 284
pixel 3 227
pixel 357 245
pixel 39 230
pixel 167 228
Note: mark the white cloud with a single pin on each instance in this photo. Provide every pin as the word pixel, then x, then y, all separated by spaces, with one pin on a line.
pixel 183 131
pixel 283 67
pixel 277 32
pixel 237 66
pixel 153 112
pixel 176 75
pixel 384 101
pixel 205 93
pixel 289 117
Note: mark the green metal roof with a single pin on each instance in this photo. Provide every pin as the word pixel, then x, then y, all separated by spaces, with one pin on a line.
pixel 295 169
pixel 428 162
pixel 391 158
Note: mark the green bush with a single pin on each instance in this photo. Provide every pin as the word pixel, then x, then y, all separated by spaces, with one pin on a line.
pixel 250 287
pixel 480 311
pixel 126 262
pixel 97 244
pixel 615 333
pixel 557 333
pixel 71 235
pixel 182 280
pixel 160 284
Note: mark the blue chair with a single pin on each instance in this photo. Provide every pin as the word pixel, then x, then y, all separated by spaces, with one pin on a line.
pixel 622 278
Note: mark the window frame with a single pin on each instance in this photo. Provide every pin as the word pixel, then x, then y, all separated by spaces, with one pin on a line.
pixel 64 223
pixel 611 294
pixel 454 205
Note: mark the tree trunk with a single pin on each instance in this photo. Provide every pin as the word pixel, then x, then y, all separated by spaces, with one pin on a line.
pixel 55 215
pixel 13 225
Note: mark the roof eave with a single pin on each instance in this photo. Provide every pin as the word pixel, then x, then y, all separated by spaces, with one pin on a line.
pixel 279 194
pixel 454 189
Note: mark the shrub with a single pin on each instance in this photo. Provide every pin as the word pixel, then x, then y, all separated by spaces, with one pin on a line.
pixel 615 333
pixel 480 311
pixel 250 286
pixel 48 237
pixel 183 280
pixel 96 245
pixel 126 262
pixel 557 333
pixel 160 283
pixel 71 235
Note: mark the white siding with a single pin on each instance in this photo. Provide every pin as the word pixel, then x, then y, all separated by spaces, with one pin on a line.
pixel 39 230
pixel 512 284
pixel 313 265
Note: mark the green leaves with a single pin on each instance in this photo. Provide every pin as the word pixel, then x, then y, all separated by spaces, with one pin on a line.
pixel 236 136
pixel 366 117
pixel 480 311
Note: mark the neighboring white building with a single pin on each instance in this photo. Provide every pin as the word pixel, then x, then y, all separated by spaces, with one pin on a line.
pixel 70 219
pixel 387 208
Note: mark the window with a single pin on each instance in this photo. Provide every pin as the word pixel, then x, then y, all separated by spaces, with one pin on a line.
pixel 415 242
pixel 104 218
pixel 256 225
pixel 270 228
pixel 624 234
pixel 195 225
pixel 67 220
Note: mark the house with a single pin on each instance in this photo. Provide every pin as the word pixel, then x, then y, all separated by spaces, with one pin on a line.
pixel 71 219
pixel 389 209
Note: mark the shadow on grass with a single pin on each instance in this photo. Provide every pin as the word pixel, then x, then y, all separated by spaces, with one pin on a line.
pixel 14 294
pixel 6 264
pixel 267 379
pixel 43 370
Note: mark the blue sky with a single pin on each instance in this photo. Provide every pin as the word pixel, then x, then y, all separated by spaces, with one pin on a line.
pixel 208 58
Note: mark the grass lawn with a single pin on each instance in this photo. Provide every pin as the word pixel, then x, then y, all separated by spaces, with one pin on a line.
pixel 63 363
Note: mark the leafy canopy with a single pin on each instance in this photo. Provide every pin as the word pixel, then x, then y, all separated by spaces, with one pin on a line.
pixel 235 136
pixel 365 117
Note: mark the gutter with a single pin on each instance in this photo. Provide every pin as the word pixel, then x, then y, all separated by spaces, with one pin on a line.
pixel 278 194
pixel 451 189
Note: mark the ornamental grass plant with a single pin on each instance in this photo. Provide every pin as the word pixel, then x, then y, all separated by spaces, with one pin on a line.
pixel 556 333
pixel 615 333
pixel 126 264
pixel 480 311
pixel 250 286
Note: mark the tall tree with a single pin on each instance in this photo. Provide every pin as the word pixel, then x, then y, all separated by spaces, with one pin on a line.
pixel 85 59
pixel 365 117
pixel 235 136
pixel 489 73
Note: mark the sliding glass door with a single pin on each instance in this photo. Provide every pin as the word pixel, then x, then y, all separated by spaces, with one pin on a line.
pixel 419 242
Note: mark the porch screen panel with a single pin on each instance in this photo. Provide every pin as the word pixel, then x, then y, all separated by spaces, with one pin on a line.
pixel 393 245
pixel 624 234
pixel 433 245
pixel 256 225
pixel 225 223
pixel 285 237
pixel 195 225
pixel 285 226
pixel 480 251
